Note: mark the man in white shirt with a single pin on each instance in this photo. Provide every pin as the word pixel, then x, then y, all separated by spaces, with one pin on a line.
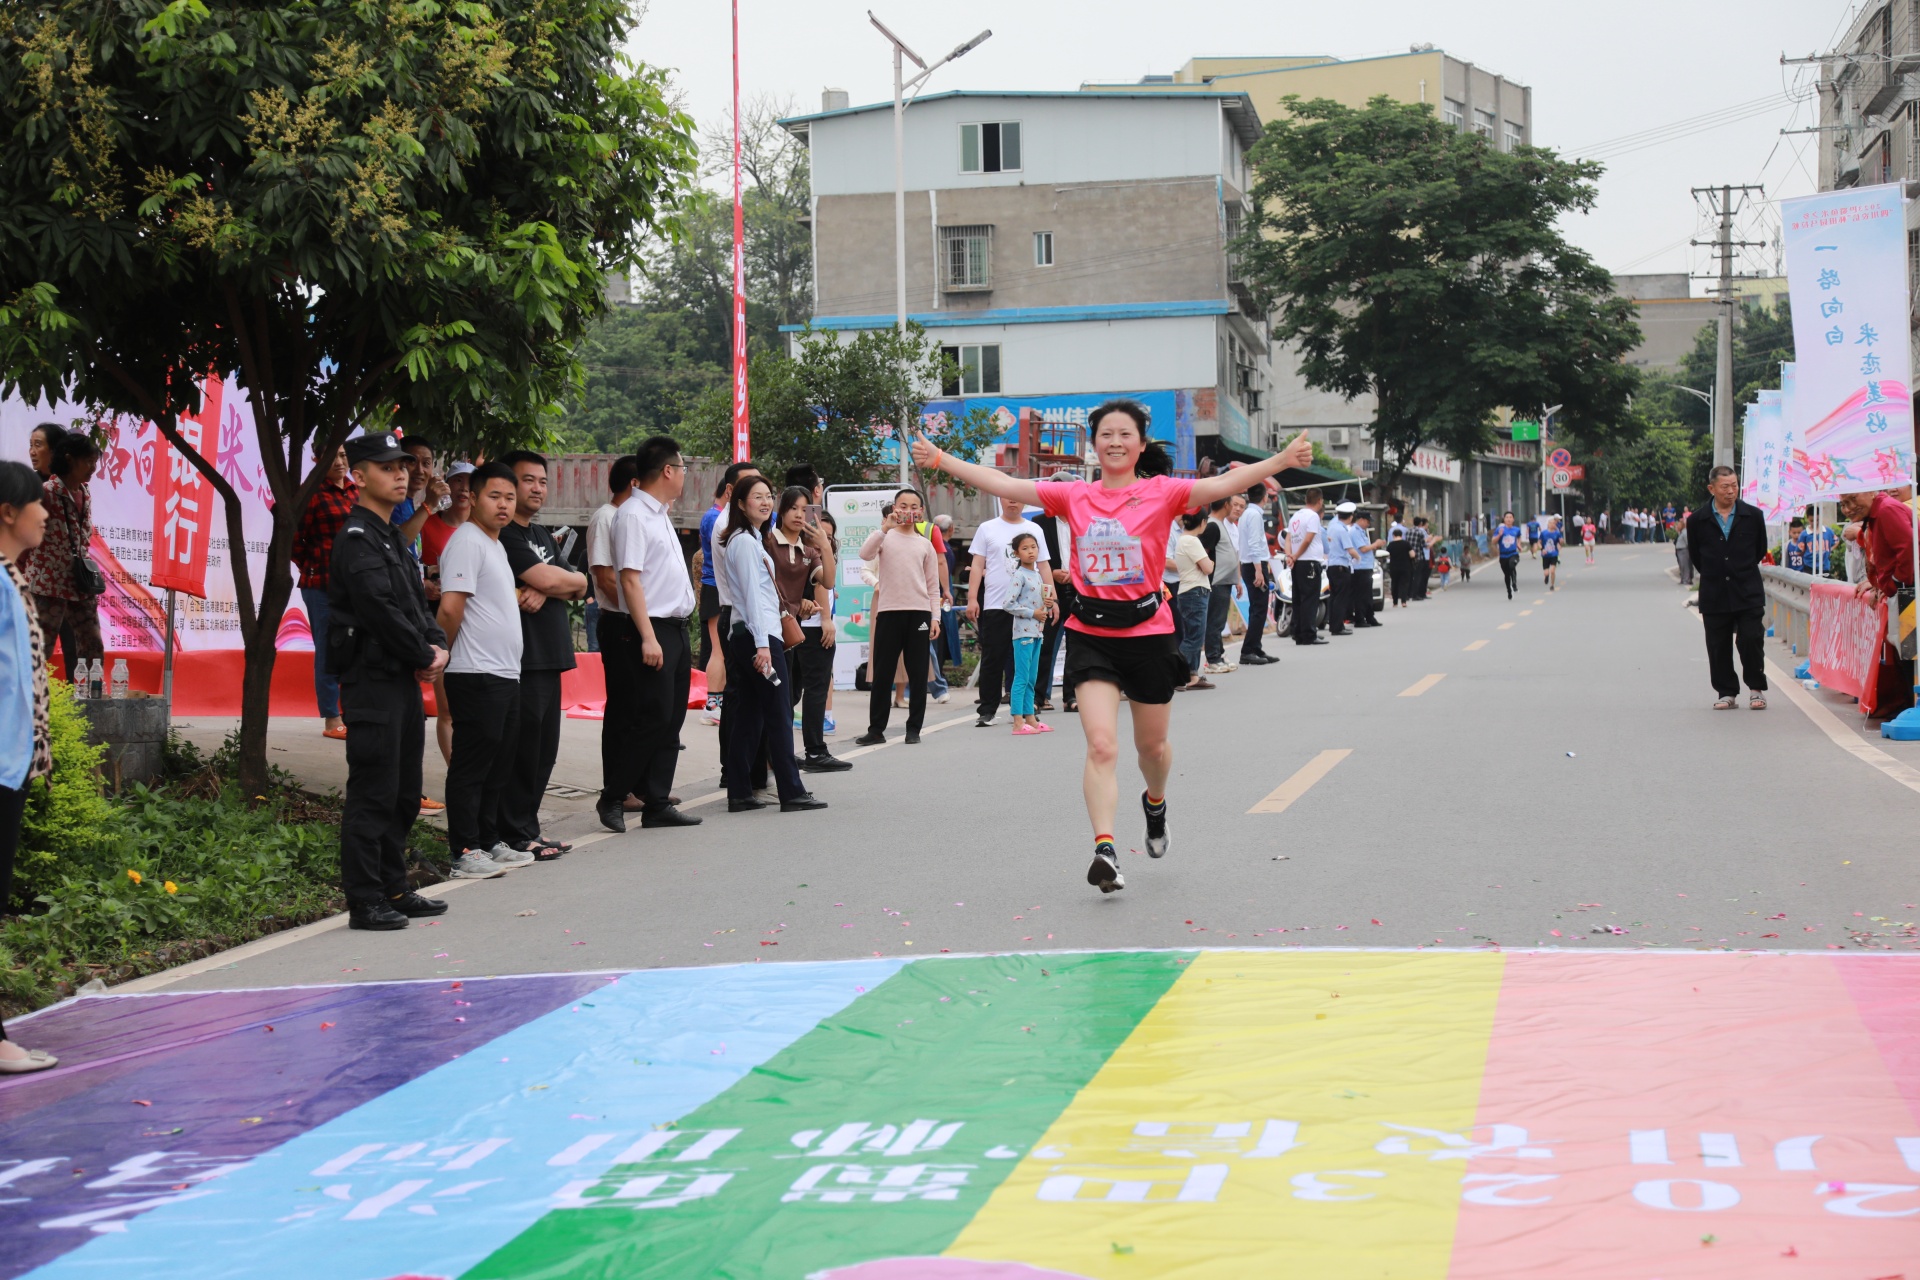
pixel 650 660
pixel 1307 561
pixel 610 613
pixel 989 580
pixel 1250 540
pixel 480 612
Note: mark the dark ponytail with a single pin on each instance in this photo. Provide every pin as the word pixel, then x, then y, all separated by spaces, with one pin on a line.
pixel 1154 460
pixel 20 485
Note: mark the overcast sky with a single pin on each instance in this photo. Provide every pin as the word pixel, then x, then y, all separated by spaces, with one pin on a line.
pixel 1598 74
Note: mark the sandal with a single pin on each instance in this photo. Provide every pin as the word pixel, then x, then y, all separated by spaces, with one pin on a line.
pixel 338 735
pixel 1726 704
pixel 1758 702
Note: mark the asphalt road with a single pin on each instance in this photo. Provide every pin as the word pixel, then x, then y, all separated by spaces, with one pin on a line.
pixel 1545 772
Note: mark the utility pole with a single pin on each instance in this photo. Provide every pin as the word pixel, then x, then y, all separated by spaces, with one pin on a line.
pixel 1724 202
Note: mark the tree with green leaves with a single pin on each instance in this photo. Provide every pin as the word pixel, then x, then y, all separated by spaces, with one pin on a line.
pixel 1422 266
pixel 1762 342
pixel 371 211
pixel 832 405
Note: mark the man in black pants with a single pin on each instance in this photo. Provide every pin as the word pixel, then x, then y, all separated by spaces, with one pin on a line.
pixel 1218 541
pixel 654 655
pixel 1422 557
pixel 1251 527
pixel 988 577
pixel 1307 558
pixel 546 584
pixel 381 643
pixel 480 613
pixel 1727 539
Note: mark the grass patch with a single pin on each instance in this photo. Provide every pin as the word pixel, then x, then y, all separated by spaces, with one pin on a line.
pixel 113 887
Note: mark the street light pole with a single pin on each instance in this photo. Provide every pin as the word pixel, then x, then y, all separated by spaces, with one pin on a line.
pixel 900 101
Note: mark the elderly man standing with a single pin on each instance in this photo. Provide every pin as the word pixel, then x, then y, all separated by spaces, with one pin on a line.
pixel 1727 539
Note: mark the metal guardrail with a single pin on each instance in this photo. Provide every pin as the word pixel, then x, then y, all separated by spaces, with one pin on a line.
pixel 1789 605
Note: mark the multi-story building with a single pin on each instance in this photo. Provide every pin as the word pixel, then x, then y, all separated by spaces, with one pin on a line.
pixel 1471 99
pixel 1869 116
pixel 1671 315
pixel 1064 247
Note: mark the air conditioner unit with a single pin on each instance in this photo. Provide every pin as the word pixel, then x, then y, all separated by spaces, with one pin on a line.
pixel 1337 437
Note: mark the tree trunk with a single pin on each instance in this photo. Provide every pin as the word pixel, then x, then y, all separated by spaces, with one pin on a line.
pixel 262 650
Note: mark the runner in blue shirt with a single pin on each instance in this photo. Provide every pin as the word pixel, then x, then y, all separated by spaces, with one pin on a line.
pixel 1550 536
pixel 1507 539
pixel 1533 537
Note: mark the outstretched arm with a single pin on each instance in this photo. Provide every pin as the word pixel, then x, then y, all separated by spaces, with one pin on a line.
pixel 1227 483
pixel 986 479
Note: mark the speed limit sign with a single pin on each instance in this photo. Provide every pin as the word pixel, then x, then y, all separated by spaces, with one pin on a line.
pixel 1562 478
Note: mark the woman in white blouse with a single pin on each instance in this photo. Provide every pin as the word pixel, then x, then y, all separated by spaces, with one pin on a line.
pixel 762 704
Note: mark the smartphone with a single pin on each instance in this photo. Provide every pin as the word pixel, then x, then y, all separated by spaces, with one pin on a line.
pixel 812 518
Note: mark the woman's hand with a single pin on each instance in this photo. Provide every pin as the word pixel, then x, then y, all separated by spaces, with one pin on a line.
pixel 827 636
pixel 934 634
pixel 1299 453
pixel 924 452
pixel 763 662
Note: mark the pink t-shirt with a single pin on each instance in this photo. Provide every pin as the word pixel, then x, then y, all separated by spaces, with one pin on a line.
pixel 1119 541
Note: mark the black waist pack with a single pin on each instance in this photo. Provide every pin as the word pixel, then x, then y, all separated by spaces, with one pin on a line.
pixel 1114 615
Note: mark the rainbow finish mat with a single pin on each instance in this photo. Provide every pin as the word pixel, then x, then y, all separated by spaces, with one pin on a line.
pixel 1308 1114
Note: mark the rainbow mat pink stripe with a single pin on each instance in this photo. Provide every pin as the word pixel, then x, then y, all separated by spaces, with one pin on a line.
pixel 1308 1114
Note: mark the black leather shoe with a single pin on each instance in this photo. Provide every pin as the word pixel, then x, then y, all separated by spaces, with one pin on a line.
pixel 376 915
pixel 825 763
pixel 612 815
pixel 744 806
pixel 667 817
pixel 913 738
pixel 414 906
pixel 869 739
pixel 802 803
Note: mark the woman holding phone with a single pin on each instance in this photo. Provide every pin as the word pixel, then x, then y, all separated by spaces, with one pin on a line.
pixel 906 618
pixel 1120 634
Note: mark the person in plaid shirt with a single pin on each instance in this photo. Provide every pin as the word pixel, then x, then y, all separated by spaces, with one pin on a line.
pixel 313 553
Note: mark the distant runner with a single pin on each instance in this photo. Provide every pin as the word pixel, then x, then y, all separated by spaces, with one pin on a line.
pixel 1586 540
pixel 1550 536
pixel 1507 539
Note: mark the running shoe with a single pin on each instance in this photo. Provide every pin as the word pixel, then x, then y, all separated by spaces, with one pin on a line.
pixel 1104 874
pixel 1156 827
pixel 474 864
pixel 831 725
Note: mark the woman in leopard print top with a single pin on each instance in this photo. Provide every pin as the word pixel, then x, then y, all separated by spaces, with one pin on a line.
pixel 24 753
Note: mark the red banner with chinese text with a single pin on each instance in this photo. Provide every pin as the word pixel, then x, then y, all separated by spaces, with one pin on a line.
pixel 183 501
pixel 1845 635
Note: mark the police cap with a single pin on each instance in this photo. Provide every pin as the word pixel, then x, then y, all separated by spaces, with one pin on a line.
pixel 379 447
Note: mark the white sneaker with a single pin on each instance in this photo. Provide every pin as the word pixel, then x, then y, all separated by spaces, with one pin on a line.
pixel 942 699
pixel 475 865
pixel 508 856
pixel 1220 668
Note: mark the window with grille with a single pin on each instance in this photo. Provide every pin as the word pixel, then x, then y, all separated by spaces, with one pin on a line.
pixel 993 147
pixel 966 255
pixel 975 370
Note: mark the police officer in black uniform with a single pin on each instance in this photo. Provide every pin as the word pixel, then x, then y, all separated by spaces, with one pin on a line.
pixel 382 642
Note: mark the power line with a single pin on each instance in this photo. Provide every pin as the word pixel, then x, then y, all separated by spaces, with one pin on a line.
pixel 1628 143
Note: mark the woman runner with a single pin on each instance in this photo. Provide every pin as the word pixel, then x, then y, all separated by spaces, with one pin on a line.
pixel 1120 634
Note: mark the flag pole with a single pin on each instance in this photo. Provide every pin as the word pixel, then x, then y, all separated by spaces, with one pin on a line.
pixel 742 436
